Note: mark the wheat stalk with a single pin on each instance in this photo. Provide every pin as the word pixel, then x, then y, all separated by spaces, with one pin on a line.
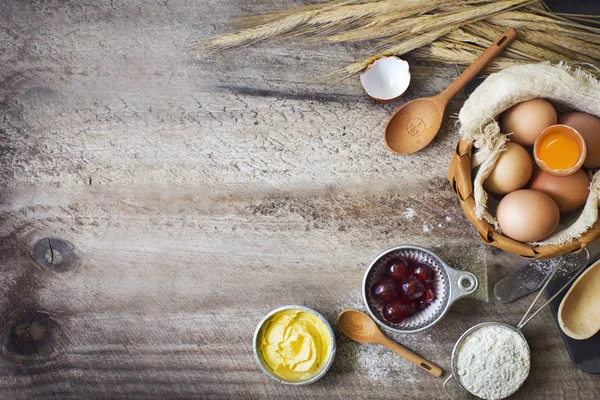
pixel 470 14
pixel 373 9
pixel 382 27
pixel 456 19
pixel 546 27
pixel 338 13
pixel 468 36
pixel 262 32
pixel 394 25
pixel 262 19
pixel 545 17
pixel 386 25
pixel 572 48
pixel 438 52
pixel 256 20
pixel 537 52
pixel 448 31
pixel 400 49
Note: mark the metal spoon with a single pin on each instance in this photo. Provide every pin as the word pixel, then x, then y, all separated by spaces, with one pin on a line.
pixel 415 124
pixel 531 277
pixel 361 328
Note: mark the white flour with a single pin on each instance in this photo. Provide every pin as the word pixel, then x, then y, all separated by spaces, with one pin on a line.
pixel 409 213
pixel 492 362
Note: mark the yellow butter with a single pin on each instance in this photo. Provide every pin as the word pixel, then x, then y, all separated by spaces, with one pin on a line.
pixel 294 344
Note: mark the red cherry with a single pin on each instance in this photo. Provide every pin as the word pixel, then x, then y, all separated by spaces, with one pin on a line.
pixel 420 303
pixel 403 295
pixel 399 269
pixel 429 295
pixel 412 287
pixel 411 308
pixel 424 273
pixel 385 289
pixel 394 312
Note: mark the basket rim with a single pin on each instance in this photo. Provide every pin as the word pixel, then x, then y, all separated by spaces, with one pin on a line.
pixel 459 176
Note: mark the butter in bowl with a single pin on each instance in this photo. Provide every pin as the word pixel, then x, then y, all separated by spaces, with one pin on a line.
pixel 294 345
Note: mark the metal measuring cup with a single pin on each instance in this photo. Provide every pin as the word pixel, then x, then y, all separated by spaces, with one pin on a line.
pixel 518 329
pixel 450 285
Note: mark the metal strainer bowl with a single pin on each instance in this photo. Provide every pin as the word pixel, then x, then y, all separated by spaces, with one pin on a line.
pixel 449 284
pixel 462 339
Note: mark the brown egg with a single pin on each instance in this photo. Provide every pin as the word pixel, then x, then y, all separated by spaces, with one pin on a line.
pixel 527 215
pixel 568 192
pixel 589 127
pixel 511 172
pixel 527 120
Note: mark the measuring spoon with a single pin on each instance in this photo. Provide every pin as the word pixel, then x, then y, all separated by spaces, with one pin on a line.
pixel 361 328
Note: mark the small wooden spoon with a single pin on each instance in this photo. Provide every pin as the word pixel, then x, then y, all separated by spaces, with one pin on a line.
pixel 415 124
pixel 579 311
pixel 361 328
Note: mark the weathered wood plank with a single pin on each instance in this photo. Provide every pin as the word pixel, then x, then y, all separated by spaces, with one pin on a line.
pixel 200 192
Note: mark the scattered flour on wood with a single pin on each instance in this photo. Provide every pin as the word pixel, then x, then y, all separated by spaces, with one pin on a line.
pixel 373 361
pixel 381 364
pixel 409 213
pixel 472 257
pixel 531 279
pixel 492 362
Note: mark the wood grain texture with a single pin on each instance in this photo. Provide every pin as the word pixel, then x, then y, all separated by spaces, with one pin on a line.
pixel 156 203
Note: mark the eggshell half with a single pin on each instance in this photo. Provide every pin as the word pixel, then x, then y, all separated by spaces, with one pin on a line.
pixel 569 192
pixel 511 172
pixel 386 79
pixel 527 120
pixel 527 215
pixel 588 126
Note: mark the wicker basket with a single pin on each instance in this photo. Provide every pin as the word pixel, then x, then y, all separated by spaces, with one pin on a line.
pixel 459 175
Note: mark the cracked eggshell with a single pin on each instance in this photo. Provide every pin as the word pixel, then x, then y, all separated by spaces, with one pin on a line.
pixel 386 79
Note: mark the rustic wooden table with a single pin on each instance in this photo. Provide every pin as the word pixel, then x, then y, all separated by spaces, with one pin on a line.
pixel 156 203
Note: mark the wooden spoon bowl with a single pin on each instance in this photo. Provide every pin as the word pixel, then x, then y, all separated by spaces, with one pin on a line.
pixel 579 311
pixel 414 125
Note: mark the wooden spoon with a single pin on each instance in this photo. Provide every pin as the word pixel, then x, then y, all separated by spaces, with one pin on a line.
pixel 579 311
pixel 361 328
pixel 415 124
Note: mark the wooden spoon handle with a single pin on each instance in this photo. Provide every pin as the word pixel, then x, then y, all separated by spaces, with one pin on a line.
pixel 471 72
pixel 412 357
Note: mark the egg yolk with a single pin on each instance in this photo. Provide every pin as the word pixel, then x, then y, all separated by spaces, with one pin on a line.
pixel 558 151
